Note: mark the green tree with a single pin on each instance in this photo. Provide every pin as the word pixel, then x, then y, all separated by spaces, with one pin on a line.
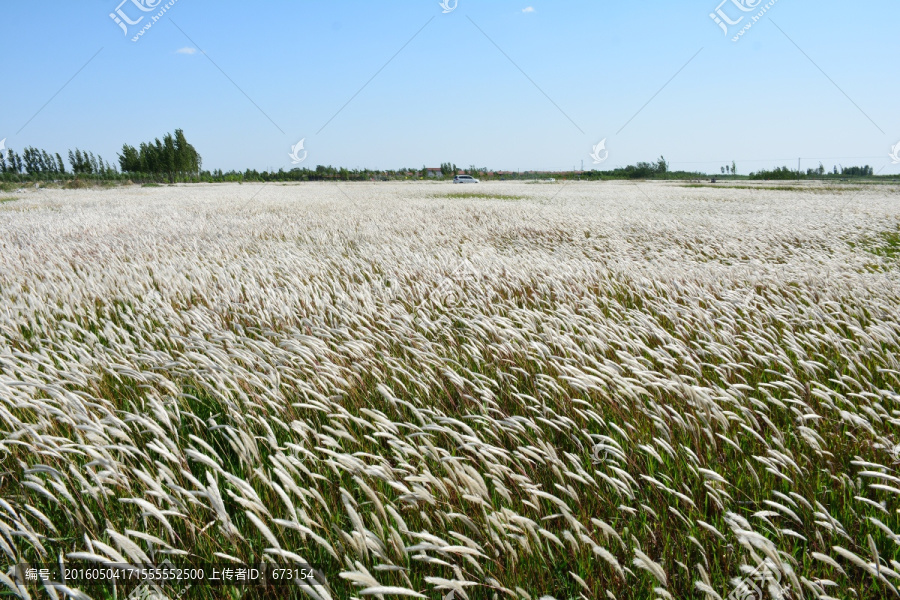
pixel 28 156
pixel 169 158
pixel 129 159
pixel 77 161
pixel 17 164
pixel 47 162
pixel 187 160
pixel 661 165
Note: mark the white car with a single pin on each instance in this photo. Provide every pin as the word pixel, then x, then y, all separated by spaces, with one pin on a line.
pixel 464 179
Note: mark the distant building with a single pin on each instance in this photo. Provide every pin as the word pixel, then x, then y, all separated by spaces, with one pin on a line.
pixel 433 172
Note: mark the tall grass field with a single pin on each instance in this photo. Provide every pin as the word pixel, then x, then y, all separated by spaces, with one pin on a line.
pixel 567 391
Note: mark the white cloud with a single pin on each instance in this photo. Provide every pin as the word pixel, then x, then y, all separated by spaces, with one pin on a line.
pixel 528 9
pixel 187 50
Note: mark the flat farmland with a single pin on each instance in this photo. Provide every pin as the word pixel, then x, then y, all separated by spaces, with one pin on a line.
pixel 502 390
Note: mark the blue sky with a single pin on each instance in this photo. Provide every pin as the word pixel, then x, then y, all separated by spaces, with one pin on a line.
pixel 505 84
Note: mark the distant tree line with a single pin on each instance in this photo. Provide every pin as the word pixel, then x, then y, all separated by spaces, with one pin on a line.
pixel 39 164
pixel 87 163
pixel 819 172
pixel 156 162
pixel 641 170
pixel 776 173
pixel 172 157
pixel 865 171
pixel 645 170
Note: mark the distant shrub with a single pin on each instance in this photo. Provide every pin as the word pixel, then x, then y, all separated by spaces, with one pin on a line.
pixel 76 184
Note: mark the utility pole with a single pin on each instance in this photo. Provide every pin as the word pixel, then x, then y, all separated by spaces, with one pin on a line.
pixel 798 169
